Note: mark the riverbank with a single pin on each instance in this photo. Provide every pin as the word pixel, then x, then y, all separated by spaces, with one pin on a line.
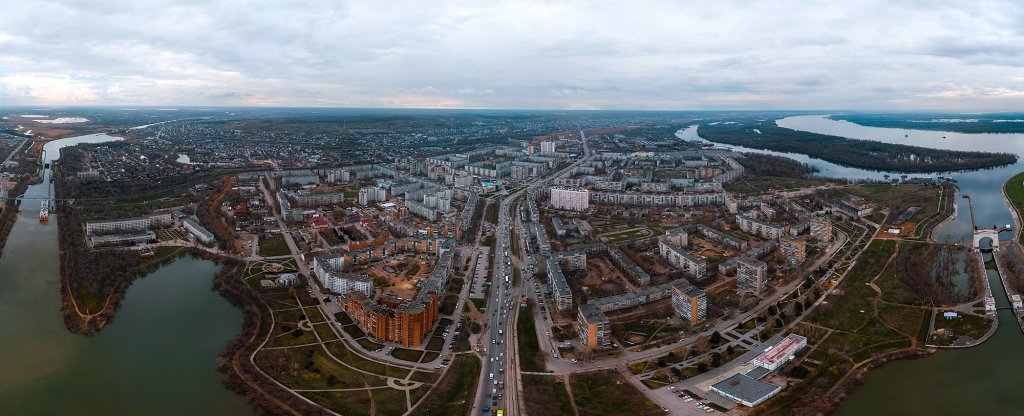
pixel 1012 192
pixel 235 364
pixel 865 154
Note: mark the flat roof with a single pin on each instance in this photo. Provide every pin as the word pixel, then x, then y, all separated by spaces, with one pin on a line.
pixel 781 351
pixel 746 388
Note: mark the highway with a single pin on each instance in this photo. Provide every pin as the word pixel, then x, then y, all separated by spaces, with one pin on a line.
pixel 500 385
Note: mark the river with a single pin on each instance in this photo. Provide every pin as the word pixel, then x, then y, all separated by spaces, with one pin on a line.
pixel 983 380
pixel 156 357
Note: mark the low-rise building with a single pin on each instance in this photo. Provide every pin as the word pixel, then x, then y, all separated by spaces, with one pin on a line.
pixel 781 353
pixel 198 231
pixel 745 390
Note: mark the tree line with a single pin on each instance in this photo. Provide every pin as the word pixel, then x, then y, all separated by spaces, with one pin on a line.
pixel 866 154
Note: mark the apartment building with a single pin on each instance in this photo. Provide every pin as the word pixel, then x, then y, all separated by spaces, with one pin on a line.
pixel 794 249
pixel 593 327
pixel 129 224
pixel 570 199
pixel 751 274
pixel 689 302
pixel 821 228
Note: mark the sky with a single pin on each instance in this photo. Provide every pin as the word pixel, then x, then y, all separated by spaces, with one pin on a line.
pixel 660 55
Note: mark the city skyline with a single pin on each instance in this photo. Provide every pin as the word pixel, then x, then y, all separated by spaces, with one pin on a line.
pixel 516 55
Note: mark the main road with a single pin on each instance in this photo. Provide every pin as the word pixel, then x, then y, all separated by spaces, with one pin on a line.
pixel 499 388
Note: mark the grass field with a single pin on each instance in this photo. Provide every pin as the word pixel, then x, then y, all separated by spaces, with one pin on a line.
pixel 453 394
pixel 607 393
pixel 530 358
pixel 546 395
pixel 274 246
pixel 864 323
pixel 1014 190
pixel 900 197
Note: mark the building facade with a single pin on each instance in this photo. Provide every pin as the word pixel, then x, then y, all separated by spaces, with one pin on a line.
pixel 593 327
pixel 407 322
pixel 690 264
pixel 821 228
pixel 570 199
pixel 794 249
pixel 129 224
pixel 751 274
pixel 327 270
pixel 689 302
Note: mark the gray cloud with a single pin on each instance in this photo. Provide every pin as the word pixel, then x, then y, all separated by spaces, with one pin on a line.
pixel 518 54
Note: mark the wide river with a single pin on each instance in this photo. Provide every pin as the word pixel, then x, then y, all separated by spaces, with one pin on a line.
pixel 983 380
pixel 156 357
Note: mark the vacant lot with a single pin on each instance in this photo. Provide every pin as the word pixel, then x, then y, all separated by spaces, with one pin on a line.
pixel 274 246
pixel 608 393
pixel 453 394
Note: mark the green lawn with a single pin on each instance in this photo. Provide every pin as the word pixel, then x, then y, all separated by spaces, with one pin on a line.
pixel 1014 189
pixel 529 347
pixel 274 246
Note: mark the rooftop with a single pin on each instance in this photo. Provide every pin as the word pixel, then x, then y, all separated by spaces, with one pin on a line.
pixel 781 351
pixel 746 388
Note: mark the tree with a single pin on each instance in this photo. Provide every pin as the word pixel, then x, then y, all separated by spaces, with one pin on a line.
pixel 702 367
pixel 716 338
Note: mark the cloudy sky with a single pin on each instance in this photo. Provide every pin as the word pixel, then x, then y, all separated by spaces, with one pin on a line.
pixel 957 55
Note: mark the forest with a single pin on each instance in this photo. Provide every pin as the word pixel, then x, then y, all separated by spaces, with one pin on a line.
pixel 865 154
pixel 770 165
pixel 932 270
pixel 960 123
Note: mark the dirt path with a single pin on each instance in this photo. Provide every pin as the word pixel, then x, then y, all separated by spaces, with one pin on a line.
pixel 572 398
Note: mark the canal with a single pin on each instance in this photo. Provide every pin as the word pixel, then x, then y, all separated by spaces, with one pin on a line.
pixel 982 380
pixel 156 357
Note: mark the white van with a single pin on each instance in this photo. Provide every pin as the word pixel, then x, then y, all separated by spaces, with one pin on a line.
pixel 491 377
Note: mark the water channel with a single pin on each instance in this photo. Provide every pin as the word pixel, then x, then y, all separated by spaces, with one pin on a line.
pixel 983 380
pixel 156 357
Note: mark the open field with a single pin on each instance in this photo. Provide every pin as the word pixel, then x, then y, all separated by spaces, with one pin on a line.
pixel 607 393
pixel 453 394
pixel 1014 189
pixel 546 395
pixel 530 358
pixel 274 246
